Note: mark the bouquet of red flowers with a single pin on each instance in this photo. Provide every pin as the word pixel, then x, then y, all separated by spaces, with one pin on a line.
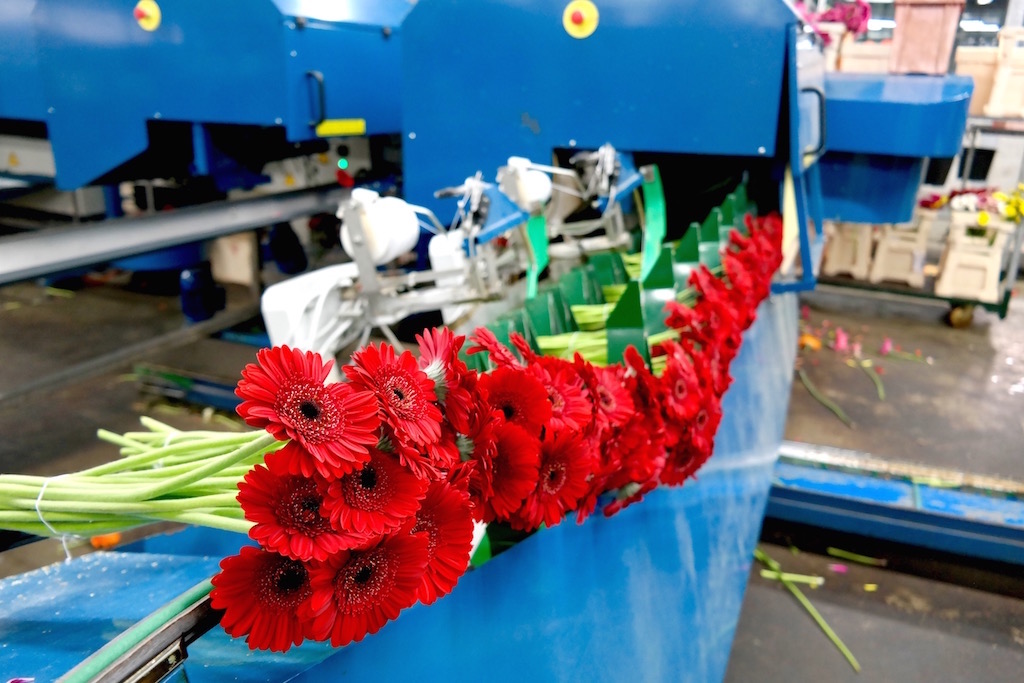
pixel 364 495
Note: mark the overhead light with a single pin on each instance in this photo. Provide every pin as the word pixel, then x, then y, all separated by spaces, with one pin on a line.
pixel 880 24
pixel 978 26
pixel 984 2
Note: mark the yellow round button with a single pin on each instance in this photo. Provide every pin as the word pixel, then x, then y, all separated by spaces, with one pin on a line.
pixel 580 18
pixel 147 14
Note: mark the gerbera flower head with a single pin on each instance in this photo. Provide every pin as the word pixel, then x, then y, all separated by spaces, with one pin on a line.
pixel 405 395
pixel 444 518
pixel 284 393
pixel 439 355
pixel 681 385
pixel 611 401
pixel 511 474
pixel 285 509
pixel 695 446
pixel 377 499
pixel 356 592
pixel 565 468
pixel 261 593
pixel 570 407
pixel 519 396
pixel 499 354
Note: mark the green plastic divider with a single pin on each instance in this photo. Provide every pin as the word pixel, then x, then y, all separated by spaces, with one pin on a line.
pixel 549 313
pixel 608 267
pixel 626 326
pixel 686 256
pixel 579 287
pixel 537 239
pixel 655 226
pixel 658 289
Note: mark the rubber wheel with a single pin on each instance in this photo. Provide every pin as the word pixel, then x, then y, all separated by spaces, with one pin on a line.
pixel 960 317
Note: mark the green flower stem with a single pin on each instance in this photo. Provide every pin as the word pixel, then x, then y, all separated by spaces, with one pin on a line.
pixel 113 508
pixel 240 526
pixel 132 462
pixel 212 467
pixel 765 559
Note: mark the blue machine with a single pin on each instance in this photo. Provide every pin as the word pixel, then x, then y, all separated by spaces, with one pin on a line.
pixel 214 76
pixel 656 589
pixel 736 80
pixel 881 129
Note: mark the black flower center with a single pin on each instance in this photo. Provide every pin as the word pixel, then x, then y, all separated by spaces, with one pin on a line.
pixel 702 419
pixel 509 411
pixel 290 578
pixel 311 504
pixel 363 575
pixel 309 410
pixel 398 393
pixel 368 477
pixel 605 398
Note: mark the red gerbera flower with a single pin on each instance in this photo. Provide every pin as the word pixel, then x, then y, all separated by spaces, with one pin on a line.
pixel 445 519
pixel 453 382
pixel 375 500
pixel 565 466
pixel 357 592
pixel 570 407
pixel 285 394
pixel 612 404
pixel 404 392
pixel 519 396
pixel 286 511
pixel 499 354
pixel 681 384
pixel 511 474
pixel 261 593
pixel 695 446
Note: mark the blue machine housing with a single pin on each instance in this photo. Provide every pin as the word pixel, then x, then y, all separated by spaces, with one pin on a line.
pixel 881 129
pixel 96 78
pixel 688 77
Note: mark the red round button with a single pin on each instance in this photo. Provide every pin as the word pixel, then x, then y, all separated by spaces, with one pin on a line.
pixel 577 17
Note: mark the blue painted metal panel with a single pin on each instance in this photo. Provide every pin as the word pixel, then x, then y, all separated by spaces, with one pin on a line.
pixel 960 522
pixel 102 77
pixel 487 79
pixel 21 93
pixel 653 593
pixel 869 188
pixel 896 115
pixel 880 129
pixel 53 618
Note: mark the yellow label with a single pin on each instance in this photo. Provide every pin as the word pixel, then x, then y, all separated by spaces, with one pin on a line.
pixel 13 160
pixel 332 128
pixel 580 18
pixel 147 14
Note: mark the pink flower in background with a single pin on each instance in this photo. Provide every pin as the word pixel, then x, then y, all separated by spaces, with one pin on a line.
pixel 886 347
pixel 842 342
pixel 855 347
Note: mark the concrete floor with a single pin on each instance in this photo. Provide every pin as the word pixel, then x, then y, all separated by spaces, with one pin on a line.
pixel 964 412
pixel 908 630
pixel 951 413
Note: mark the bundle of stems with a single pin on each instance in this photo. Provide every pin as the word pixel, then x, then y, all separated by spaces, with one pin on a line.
pixel 162 475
